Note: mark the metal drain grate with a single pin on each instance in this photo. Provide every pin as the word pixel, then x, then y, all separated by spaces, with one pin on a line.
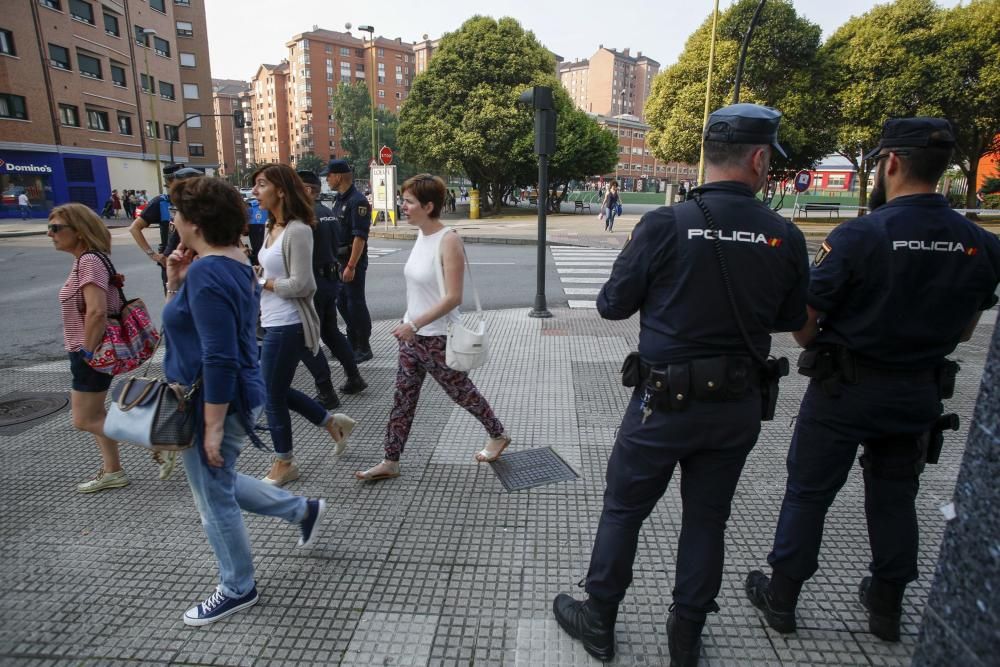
pixel 533 467
pixel 22 410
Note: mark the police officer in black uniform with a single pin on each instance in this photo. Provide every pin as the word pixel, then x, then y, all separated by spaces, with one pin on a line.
pixel 353 217
pixel 325 299
pixel 700 377
pixel 890 295
pixel 157 212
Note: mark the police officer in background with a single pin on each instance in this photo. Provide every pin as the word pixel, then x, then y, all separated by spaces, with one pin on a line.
pixel 325 299
pixel 701 375
pixel 352 213
pixel 890 295
pixel 157 212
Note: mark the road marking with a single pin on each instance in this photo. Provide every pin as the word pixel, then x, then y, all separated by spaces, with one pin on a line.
pixel 585 281
pixel 571 261
pixel 582 291
pixel 575 303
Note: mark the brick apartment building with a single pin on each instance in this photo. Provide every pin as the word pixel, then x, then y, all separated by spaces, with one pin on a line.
pixel 638 170
pixel 610 82
pixel 76 116
pixel 269 120
pixel 227 97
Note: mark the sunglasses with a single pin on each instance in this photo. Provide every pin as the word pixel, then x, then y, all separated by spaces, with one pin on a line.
pixel 55 228
pixel 881 156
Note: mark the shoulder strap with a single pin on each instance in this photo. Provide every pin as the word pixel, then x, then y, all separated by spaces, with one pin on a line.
pixel 439 271
pixel 111 272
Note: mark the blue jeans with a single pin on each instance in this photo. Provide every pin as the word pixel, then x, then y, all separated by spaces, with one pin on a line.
pixel 280 357
pixel 609 217
pixel 222 494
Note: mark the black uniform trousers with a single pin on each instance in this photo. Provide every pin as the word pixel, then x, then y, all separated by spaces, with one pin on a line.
pixel 823 450
pixel 325 301
pixel 711 442
pixel 353 307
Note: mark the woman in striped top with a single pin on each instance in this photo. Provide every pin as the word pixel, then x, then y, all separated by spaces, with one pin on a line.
pixel 86 298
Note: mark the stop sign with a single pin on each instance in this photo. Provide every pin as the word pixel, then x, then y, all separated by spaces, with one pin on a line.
pixel 385 154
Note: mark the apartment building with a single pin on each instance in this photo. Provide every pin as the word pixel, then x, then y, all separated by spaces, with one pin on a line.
pixel 269 122
pixel 610 82
pixel 638 170
pixel 90 93
pixel 191 32
pixel 227 97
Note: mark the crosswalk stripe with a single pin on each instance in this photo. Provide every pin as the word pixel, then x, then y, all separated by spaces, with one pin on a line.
pixel 594 269
pixel 584 280
pixel 582 291
pixel 582 270
pixel 576 303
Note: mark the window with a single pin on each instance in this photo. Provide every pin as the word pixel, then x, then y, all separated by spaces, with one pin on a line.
pixel 381 93
pixel 98 120
pixel 89 65
pixel 140 37
pixel 381 52
pixel 167 91
pixel 171 132
pixel 196 150
pixel 118 75
pixel 835 181
pixel 161 46
pixel 7 43
pixel 111 25
pixel 69 115
pixel 190 91
pixel 51 4
pixel 158 5
pixel 187 60
pixel 152 129
pixel 12 106
pixel 185 3
pixel 195 120
pixel 344 51
pixel 81 11
pixel 125 124
pixel 185 29
pixel 148 84
pixel 59 56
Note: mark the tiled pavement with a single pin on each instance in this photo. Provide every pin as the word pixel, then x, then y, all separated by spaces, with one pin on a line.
pixel 438 567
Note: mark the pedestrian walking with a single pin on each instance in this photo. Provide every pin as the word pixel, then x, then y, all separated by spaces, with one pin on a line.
pixel 422 335
pixel 210 322
pixel 25 205
pixel 712 278
pixel 116 203
pixel 353 215
pixel 327 277
pixel 86 298
pixel 288 315
pixel 890 295
pixel 610 206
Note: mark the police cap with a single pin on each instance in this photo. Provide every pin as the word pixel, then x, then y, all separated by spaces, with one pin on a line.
pixel 337 167
pixel 745 124
pixel 188 172
pixel 916 132
pixel 309 177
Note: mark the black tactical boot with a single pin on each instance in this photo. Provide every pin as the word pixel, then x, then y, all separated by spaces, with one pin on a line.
pixel 776 597
pixel 354 385
pixel 327 397
pixel 884 602
pixel 683 640
pixel 363 351
pixel 592 622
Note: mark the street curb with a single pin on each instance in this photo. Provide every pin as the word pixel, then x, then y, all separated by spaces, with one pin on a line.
pixel 12 235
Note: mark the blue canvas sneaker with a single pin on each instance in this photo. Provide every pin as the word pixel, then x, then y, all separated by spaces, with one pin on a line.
pixel 315 508
pixel 218 606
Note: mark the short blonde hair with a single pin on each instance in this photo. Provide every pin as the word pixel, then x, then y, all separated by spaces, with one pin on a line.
pixel 82 220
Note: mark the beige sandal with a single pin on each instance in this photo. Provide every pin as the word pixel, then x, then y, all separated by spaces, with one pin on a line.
pixel 484 456
pixel 342 427
pixel 390 469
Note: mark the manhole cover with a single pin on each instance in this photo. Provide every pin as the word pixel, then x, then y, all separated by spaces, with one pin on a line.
pixel 534 467
pixel 23 407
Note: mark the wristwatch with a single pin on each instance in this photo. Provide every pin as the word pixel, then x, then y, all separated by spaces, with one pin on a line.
pixel 150 252
pixel 262 281
pixel 412 325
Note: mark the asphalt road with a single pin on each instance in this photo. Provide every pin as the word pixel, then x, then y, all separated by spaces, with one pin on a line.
pixel 31 273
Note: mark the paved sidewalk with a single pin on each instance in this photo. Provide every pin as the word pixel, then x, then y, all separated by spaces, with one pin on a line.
pixel 440 566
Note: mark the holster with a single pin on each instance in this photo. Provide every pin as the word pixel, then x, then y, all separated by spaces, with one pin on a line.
pixel 829 365
pixel 769 383
pixel 905 456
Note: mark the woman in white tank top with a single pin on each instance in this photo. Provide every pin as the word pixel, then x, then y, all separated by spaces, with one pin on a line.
pixel 423 332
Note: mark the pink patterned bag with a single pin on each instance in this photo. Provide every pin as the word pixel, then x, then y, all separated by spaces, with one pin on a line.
pixel 130 337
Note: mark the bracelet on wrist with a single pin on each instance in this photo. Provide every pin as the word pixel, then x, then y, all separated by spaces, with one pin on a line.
pixel 150 252
pixel 86 354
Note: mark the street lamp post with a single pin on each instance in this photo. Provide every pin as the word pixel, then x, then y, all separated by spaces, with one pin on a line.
pixel 147 33
pixel 370 29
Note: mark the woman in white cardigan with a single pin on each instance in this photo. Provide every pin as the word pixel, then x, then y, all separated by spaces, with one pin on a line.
pixel 288 316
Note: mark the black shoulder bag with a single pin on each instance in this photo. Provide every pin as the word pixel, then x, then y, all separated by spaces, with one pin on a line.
pixel 771 369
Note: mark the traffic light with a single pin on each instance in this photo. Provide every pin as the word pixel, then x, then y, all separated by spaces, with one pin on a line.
pixel 238 120
pixel 539 98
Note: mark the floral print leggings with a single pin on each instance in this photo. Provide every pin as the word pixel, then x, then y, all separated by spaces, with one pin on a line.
pixel 425 354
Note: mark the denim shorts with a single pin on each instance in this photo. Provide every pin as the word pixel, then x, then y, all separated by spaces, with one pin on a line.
pixel 86 378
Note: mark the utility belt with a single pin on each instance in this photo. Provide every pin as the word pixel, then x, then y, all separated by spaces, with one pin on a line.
pixel 329 271
pixel 671 388
pixel 344 252
pixel 833 365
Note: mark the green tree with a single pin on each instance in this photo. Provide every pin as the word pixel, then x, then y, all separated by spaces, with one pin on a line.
pixel 310 162
pixel 875 68
pixel 462 113
pixel 583 147
pixel 963 73
pixel 781 70
pixel 351 106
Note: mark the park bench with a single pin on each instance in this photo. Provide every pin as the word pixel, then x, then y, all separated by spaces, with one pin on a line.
pixel 581 206
pixel 831 208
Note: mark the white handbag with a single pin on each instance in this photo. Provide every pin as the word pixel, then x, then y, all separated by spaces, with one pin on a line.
pixel 466 348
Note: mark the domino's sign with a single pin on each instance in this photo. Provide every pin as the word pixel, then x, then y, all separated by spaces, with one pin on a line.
pixel 11 168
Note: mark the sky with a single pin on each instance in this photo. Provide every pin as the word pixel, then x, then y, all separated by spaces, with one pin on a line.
pixel 245 33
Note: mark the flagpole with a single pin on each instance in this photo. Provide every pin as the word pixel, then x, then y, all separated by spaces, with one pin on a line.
pixel 708 93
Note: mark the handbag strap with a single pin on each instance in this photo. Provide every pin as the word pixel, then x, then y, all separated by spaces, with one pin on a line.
pixel 439 272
